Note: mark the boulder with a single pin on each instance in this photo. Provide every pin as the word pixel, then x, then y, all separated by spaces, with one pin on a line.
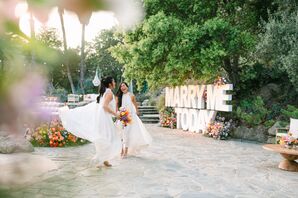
pixel 258 133
pixel 271 140
pixel 145 102
pixel 12 144
pixel 272 130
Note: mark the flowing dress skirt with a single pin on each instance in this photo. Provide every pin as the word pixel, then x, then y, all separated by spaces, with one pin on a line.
pixel 93 123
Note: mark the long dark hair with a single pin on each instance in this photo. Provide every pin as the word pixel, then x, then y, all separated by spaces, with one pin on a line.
pixel 104 84
pixel 120 94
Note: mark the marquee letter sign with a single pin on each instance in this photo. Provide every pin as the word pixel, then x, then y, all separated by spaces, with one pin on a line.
pixel 193 112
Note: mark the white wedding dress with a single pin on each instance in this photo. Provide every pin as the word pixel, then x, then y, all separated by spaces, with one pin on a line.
pixel 134 135
pixel 93 123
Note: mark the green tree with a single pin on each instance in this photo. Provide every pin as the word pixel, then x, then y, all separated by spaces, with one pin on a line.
pixel 73 59
pixel 16 48
pixel 49 37
pixel 49 43
pixel 191 40
pixel 278 46
pixel 100 56
pixel 61 12
pixel 84 20
pixel 57 63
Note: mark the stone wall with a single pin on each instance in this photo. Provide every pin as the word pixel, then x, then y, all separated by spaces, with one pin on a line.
pixel 259 134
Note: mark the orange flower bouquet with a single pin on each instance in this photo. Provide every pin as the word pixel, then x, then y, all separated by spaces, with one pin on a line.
pixel 125 117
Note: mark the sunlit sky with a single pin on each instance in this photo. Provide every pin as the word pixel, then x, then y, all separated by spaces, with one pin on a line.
pixel 99 21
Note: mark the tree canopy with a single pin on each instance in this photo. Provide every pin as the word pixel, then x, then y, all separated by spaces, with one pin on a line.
pixel 278 46
pixel 99 56
pixel 191 40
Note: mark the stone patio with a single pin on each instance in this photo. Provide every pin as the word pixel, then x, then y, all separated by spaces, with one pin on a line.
pixel 178 164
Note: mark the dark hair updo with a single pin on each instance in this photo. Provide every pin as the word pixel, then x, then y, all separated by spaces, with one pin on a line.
pixel 104 84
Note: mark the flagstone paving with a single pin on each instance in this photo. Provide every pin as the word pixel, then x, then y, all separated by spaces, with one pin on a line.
pixel 178 164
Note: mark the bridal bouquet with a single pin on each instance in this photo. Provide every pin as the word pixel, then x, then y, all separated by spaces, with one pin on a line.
pixel 125 117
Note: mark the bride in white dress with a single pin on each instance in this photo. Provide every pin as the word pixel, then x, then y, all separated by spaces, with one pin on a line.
pixel 94 122
pixel 134 135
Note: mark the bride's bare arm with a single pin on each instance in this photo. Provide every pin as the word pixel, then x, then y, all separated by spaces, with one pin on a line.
pixel 134 101
pixel 108 98
pixel 116 98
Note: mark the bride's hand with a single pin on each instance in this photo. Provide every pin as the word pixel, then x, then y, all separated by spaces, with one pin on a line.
pixel 117 115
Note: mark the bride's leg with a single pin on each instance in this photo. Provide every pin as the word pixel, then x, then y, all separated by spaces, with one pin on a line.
pixel 123 149
pixel 122 152
pixel 125 152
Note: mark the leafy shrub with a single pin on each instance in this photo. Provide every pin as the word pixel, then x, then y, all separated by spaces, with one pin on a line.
pixel 275 111
pixel 252 112
pixel 89 87
pixel 152 96
pixel 141 97
pixel 152 102
pixel 161 103
pixel 290 112
pixel 269 123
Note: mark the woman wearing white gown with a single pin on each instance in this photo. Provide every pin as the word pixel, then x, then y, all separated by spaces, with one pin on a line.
pixel 135 136
pixel 94 122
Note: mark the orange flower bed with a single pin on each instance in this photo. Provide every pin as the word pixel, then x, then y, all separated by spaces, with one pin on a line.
pixel 53 134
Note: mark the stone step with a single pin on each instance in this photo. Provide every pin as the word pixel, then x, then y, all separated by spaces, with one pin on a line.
pixel 149 118
pixel 148 111
pixel 146 120
pixel 150 121
pixel 147 107
pixel 149 114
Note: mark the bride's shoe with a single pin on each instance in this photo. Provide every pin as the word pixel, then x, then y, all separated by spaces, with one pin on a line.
pixel 124 156
pixel 107 164
pixel 99 166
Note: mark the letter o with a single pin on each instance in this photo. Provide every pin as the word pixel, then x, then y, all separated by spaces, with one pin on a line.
pixel 184 119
